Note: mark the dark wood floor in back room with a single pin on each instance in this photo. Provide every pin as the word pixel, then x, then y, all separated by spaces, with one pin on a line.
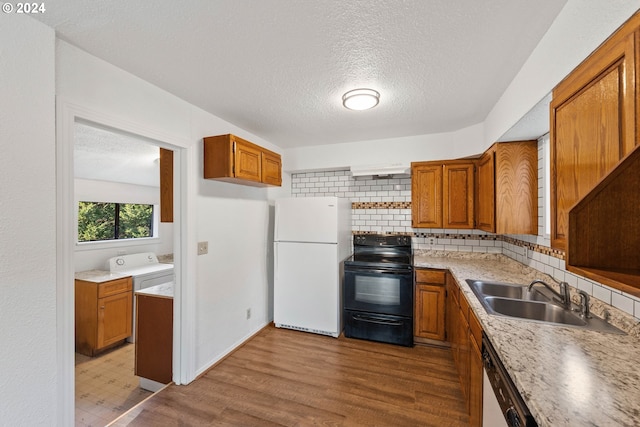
pixel 289 378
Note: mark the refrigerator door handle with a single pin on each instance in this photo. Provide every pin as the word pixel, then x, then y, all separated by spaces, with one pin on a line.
pixel 275 261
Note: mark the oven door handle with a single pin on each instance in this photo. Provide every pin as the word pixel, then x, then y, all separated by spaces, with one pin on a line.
pixel 408 271
pixel 377 320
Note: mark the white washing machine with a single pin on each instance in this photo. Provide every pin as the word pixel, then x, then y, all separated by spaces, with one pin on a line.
pixel 145 271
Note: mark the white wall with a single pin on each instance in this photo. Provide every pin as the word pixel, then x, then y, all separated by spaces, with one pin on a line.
pixel 27 223
pixel 462 143
pixel 579 29
pixel 234 219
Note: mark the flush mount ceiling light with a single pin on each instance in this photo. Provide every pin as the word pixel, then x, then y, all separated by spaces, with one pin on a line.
pixel 360 99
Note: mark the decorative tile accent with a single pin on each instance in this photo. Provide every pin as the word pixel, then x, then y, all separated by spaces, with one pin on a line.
pixel 381 205
pixel 556 253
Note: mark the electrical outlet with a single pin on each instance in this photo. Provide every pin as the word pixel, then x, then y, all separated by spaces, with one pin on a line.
pixel 526 252
pixel 203 248
pixel 248 313
pixel 431 241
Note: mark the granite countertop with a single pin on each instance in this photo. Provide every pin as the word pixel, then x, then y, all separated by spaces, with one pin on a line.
pixel 567 376
pixel 163 290
pixel 98 276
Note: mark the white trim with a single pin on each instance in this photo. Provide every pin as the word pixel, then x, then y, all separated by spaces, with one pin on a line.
pixel 115 243
pixel 64 274
pixel 184 326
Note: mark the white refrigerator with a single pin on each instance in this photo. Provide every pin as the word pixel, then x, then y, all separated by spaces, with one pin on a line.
pixel 312 237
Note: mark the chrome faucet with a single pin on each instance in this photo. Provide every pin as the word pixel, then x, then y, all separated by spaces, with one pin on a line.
pixel 584 305
pixel 563 297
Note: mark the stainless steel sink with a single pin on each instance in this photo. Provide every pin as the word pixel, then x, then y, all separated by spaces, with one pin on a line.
pixel 533 310
pixel 506 290
pixel 514 300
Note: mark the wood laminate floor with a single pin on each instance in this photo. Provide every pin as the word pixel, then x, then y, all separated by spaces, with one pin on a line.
pixel 288 378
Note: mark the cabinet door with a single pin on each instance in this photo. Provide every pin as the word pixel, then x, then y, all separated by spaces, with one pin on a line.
pixel 426 195
pixel 248 161
pixel 458 190
pixel 271 168
pixel 166 185
pixel 451 315
pixel 486 209
pixel 475 384
pixel 114 318
pixel 463 353
pixel 429 315
pixel 516 188
pixel 593 123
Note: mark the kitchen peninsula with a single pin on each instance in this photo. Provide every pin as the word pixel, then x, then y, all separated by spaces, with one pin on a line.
pixel 567 376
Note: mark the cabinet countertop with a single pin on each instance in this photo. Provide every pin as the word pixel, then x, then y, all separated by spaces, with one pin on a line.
pixel 163 290
pixel 567 376
pixel 98 276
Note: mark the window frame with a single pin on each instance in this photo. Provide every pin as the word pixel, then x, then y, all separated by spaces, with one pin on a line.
pixel 103 244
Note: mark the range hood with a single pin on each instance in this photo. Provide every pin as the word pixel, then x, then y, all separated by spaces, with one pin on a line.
pixel 395 170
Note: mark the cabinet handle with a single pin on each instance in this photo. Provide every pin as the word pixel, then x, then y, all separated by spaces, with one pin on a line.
pixel 102 308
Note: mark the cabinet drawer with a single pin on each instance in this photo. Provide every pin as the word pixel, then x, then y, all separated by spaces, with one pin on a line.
pixel 430 276
pixel 113 287
pixel 476 328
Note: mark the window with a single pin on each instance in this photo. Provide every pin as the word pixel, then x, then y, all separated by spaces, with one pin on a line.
pixel 110 221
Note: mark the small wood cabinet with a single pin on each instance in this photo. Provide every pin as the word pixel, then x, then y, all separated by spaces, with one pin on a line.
pixel 429 316
pixel 166 185
pixel 233 159
pixel 103 313
pixel 594 122
pixel 507 199
pixel 154 338
pixel 442 194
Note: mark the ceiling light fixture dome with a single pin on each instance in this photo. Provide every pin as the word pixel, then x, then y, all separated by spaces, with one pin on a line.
pixel 360 99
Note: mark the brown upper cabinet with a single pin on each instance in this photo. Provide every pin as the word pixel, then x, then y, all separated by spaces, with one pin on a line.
pixel 233 159
pixel 593 123
pixel 442 194
pixel 166 185
pixel 507 199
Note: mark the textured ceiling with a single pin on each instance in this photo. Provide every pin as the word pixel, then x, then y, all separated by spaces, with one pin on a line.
pixel 105 155
pixel 278 68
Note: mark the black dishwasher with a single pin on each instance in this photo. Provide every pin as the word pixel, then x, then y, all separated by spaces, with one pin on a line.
pixel 513 408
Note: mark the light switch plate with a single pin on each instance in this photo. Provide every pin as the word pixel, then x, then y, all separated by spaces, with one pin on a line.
pixel 203 248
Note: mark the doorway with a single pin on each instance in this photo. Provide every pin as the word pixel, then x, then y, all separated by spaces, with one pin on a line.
pixel 117 188
pixel 68 115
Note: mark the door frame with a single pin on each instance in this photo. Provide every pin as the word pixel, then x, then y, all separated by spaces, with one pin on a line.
pixel 185 159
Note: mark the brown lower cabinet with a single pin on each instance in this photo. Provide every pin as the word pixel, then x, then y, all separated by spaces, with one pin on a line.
pixel 475 370
pixel 154 338
pixel 464 333
pixel 429 316
pixel 103 313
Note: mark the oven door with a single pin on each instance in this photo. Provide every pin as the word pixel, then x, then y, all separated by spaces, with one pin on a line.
pixel 378 291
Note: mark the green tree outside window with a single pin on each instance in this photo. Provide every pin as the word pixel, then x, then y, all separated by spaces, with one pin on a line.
pixel 109 221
